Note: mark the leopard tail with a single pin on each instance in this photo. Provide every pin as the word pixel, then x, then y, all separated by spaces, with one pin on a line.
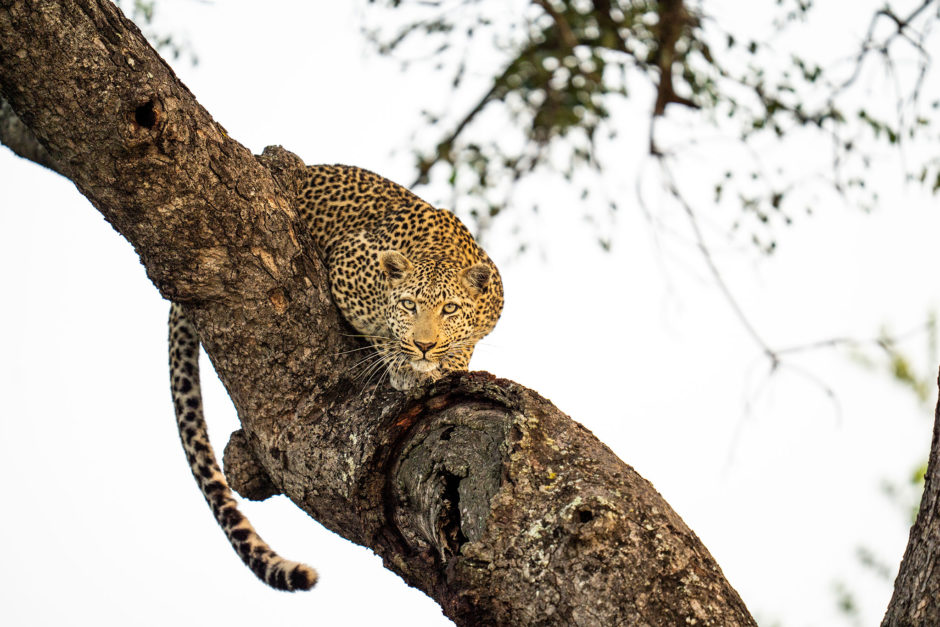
pixel 267 565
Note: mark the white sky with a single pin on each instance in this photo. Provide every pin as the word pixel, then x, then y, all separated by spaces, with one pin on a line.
pixel 104 525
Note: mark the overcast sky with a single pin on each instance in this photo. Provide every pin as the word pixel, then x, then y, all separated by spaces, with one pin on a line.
pixel 103 523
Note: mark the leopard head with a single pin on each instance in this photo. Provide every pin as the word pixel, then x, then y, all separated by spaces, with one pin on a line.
pixel 436 313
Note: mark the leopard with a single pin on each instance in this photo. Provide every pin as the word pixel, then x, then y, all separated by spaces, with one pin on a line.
pixel 411 281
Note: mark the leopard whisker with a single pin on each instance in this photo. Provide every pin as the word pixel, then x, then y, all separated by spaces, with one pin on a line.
pixel 376 372
pixel 369 337
pixel 353 350
pixel 376 358
pixel 397 362
pixel 375 366
pixel 387 372
pixel 365 364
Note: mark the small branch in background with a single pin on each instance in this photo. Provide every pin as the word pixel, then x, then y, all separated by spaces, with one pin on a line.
pixel 564 29
pixel 20 139
pixel 703 248
pixel 899 364
pixel 674 24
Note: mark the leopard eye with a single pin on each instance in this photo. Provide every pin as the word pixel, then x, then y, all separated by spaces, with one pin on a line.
pixel 407 303
pixel 450 308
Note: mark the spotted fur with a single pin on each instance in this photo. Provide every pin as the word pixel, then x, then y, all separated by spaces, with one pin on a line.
pixel 407 276
pixel 270 567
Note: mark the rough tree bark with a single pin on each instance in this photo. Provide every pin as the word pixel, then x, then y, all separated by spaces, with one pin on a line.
pixel 476 490
pixel 916 599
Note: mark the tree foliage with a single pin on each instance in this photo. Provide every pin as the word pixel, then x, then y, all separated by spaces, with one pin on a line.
pixel 731 104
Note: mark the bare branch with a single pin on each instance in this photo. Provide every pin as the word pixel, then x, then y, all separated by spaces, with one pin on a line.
pixel 713 268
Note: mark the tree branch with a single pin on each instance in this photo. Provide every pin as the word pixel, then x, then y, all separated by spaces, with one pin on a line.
pixel 674 19
pixel 476 490
pixel 17 137
pixel 916 599
pixel 565 36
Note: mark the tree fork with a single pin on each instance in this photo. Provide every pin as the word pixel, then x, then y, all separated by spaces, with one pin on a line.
pixel 476 490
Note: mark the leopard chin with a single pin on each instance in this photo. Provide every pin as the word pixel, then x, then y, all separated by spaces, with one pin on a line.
pixel 407 377
pixel 424 366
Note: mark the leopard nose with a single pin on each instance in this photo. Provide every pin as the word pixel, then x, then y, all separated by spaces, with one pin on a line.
pixel 425 346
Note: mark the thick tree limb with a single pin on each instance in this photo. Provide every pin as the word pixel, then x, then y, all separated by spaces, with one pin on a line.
pixel 477 490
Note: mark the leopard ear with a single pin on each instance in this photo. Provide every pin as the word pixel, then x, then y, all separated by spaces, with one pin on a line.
pixel 395 265
pixel 476 278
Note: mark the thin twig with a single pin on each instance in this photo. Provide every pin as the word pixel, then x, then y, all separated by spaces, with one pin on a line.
pixel 713 267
